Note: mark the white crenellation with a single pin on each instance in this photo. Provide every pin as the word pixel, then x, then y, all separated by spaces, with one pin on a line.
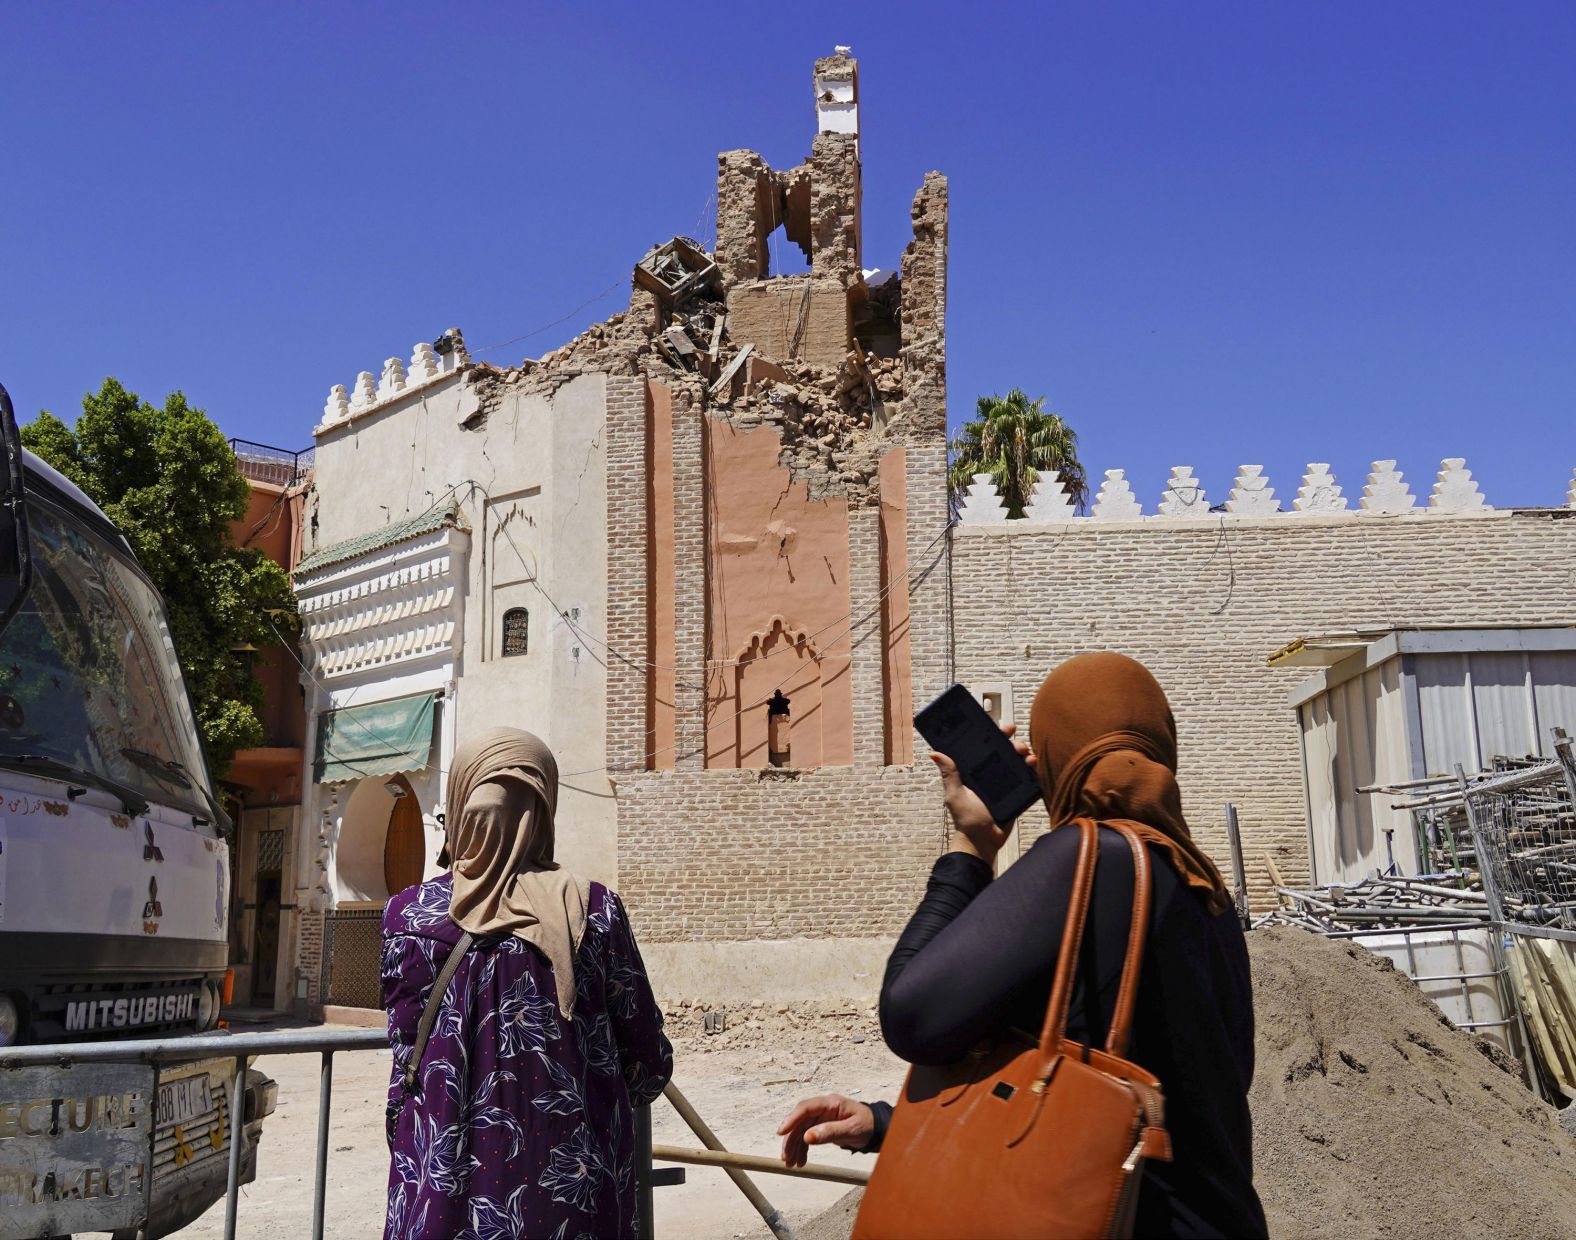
pixel 1252 496
pixel 981 503
pixel 1319 491
pixel 392 381
pixel 395 380
pixel 1116 500
pixel 366 394
pixel 423 363
pixel 1454 490
pixel 1386 490
pixel 1048 500
pixel 1184 495
pixel 337 407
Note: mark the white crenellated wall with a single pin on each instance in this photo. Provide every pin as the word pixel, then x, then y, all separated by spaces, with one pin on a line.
pixel 1385 492
pixel 371 391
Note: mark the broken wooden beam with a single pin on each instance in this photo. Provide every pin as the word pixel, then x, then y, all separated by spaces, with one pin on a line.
pixel 726 378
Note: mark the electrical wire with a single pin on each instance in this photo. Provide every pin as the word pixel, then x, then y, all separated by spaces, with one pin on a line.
pixel 537 331
pixel 904 578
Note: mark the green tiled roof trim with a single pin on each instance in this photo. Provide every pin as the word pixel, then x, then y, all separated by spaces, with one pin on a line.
pixel 435 518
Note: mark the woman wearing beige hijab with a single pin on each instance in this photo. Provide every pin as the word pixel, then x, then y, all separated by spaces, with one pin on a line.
pixel 514 1118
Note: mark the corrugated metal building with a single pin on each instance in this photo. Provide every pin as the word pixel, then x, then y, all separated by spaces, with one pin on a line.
pixel 1388 706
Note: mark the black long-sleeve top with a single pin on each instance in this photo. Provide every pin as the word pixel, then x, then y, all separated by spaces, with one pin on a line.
pixel 978 958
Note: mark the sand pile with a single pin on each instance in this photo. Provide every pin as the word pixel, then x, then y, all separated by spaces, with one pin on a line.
pixel 1373 1116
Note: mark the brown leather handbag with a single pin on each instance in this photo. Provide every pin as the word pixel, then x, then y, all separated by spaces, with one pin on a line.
pixel 1022 1139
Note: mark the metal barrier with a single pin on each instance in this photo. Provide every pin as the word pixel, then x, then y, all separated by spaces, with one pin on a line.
pixel 238 1046
pixel 242 1047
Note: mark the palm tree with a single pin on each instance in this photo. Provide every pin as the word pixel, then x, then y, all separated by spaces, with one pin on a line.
pixel 1013 439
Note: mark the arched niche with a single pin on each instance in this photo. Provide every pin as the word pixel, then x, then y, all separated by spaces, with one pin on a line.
pixel 778 658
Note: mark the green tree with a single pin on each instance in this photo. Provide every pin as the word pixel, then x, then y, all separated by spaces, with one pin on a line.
pixel 167 477
pixel 1013 439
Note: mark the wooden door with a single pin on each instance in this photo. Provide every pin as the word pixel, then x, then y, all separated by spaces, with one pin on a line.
pixel 405 844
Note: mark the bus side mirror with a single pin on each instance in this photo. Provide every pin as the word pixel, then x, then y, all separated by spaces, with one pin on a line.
pixel 16 561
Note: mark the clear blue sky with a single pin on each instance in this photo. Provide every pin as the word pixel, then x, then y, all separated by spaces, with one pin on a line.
pixel 1209 234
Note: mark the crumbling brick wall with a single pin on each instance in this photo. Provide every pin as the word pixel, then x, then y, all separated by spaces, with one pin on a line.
pixel 1205 602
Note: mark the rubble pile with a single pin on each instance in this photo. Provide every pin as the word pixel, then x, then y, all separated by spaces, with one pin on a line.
pixel 1373 1115
pixel 830 419
pixel 613 346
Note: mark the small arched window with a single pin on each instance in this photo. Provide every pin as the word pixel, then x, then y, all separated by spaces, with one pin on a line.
pixel 516 631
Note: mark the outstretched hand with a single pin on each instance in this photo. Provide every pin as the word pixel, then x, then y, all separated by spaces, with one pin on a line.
pixel 828 1120
pixel 973 828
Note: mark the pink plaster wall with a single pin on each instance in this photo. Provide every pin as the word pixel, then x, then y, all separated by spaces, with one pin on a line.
pixel 777 576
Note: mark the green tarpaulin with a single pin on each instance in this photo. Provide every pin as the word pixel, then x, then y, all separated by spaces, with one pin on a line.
pixel 379 738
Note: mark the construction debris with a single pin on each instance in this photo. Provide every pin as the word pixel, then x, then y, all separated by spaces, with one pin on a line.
pixel 1378 903
pixel 676 270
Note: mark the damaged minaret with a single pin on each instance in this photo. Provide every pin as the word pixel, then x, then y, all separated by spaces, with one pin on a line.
pixel 817 206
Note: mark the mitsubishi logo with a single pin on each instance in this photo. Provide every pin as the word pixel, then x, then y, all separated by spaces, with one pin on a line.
pixel 150 850
pixel 152 910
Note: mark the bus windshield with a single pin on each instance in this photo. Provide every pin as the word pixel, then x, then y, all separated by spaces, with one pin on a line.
pixel 88 674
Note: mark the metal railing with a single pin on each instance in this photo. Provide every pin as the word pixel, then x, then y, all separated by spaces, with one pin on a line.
pixel 238 1046
pixel 242 1047
pixel 264 463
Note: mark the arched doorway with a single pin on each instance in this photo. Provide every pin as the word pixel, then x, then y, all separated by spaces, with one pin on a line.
pixel 405 844
pixel 382 842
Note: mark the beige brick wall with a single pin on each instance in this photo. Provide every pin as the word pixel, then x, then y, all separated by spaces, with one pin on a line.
pixel 1204 602
pixel 840 852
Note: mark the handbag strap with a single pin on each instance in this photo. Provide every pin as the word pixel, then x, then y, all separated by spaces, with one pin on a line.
pixel 1137 935
pixel 1072 938
pixel 1055 1026
pixel 429 1014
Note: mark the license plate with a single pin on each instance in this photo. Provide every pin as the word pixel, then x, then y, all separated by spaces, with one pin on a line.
pixel 184 1100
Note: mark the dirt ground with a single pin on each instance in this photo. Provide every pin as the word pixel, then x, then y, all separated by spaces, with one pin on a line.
pixel 1373 1116
pixel 743 1082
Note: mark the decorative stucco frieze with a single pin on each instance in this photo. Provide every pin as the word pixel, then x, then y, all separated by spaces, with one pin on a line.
pixel 396 606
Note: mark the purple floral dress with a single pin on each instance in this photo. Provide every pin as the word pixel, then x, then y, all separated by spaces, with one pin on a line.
pixel 521 1122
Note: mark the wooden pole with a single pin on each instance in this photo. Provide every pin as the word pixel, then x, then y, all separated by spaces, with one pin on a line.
pixel 754 1162
pixel 774 1219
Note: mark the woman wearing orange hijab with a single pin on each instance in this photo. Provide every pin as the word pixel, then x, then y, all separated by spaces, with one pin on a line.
pixel 979 954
